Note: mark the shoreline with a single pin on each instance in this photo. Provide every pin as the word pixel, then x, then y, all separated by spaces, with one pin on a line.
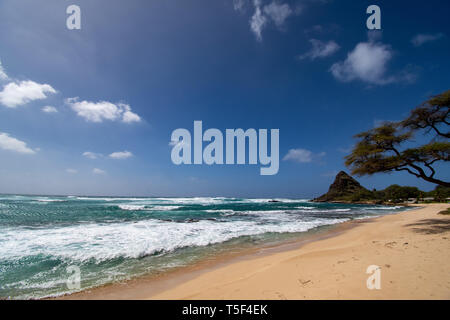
pixel 178 275
pixel 312 267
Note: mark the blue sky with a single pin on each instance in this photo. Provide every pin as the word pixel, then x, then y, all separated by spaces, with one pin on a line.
pixel 307 67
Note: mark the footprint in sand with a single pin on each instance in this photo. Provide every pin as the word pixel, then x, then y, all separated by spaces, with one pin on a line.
pixel 281 296
pixel 304 282
pixel 390 244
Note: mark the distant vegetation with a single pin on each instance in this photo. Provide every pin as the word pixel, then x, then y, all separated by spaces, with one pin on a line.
pixel 398 194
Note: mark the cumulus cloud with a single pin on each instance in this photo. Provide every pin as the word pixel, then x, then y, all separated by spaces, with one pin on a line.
pixel 3 75
pixel 320 49
pixel 98 171
pixel 19 93
pixel 275 12
pixel 71 171
pixel 367 62
pixel 121 155
pixel 49 109
pixel 258 21
pixel 421 38
pixel 278 12
pixel 103 110
pixel 92 155
pixel 129 116
pixel 302 155
pixel 12 144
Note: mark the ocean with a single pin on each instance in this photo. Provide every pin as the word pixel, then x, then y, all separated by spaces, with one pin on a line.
pixel 115 239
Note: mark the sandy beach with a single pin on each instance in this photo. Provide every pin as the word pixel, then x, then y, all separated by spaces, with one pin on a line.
pixel 411 248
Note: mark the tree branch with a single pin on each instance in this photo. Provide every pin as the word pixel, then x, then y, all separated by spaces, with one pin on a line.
pixel 446 135
pixel 408 170
pixel 431 168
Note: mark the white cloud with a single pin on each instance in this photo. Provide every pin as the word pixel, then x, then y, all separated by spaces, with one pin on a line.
pixel 421 39
pixel 258 20
pixel 103 110
pixel 278 12
pixel 275 12
pixel 320 49
pixel 71 171
pixel 129 116
pixel 302 155
pixel 12 144
pixel 121 155
pixel 49 109
pixel 92 155
pixel 18 93
pixel 367 62
pixel 98 171
pixel 3 75
pixel 239 5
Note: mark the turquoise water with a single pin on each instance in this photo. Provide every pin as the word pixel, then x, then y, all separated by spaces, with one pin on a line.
pixel 112 239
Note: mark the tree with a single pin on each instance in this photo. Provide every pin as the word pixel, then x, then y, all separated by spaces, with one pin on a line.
pixel 431 115
pixel 397 193
pixel 380 149
pixel 440 193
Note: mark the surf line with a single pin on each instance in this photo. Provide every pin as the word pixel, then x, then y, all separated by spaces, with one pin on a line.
pixel 213 153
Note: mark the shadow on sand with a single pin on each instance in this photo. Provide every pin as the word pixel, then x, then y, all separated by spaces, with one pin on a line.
pixel 431 226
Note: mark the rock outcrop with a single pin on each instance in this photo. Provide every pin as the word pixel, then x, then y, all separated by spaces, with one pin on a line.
pixel 343 187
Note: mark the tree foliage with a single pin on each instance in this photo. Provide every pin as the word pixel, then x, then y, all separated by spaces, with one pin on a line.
pixel 396 192
pixel 380 149
pixel 431 116
pixel 440 193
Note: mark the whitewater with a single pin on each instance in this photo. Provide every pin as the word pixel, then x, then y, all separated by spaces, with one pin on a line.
pixel 114 239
